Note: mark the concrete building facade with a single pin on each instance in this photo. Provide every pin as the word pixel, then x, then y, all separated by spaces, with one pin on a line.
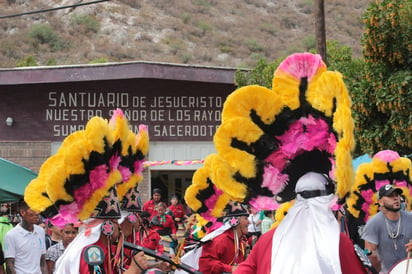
pixel 181 106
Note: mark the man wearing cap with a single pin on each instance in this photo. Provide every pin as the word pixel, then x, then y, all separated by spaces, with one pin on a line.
pixel 308 240
pixel 150 206
pixel 387 234
pixel 226 251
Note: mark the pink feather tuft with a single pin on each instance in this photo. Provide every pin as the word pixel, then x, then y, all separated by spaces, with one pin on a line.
pixel 387 155
pixel 400 183
pixel 114 162
pixel 82 194
pixel 274 180
pixel 334 205
pixel 207 216
pixel 264 203
pixel 367 196
pixel 67 214
pixel 125 172
pixel 302 65
pixel 98 177
pixel 142 128
pixel 277 159
pixel 212 200
pixel 305 134
pixel 331 144
pixel 138 166
pixel 117 113
pixel 365 208
pixel 58 221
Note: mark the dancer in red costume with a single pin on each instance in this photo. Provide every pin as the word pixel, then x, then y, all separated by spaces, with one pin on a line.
pixel 320 248
pixel 226 251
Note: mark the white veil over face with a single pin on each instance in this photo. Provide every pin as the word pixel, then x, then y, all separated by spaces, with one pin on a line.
pixel 307 239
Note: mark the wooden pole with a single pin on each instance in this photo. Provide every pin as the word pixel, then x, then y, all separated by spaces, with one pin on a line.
pixel 320 29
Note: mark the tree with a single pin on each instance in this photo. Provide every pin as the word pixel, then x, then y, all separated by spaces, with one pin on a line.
pixel 382 104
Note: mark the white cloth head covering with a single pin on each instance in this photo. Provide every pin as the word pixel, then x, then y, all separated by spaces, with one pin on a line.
pixel 307 239
pixel 69 261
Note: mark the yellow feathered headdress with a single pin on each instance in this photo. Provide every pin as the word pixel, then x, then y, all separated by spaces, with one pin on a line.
pixel 387 167
pixel 80 180
pixel 268 139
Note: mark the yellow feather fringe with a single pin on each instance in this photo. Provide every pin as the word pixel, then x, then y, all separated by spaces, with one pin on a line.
pixel 97 132
pixel 142 140
pixel 239 103
pixel 281 213
pixel 199 183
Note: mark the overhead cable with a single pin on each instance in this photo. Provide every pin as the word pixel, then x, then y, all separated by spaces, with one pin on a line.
pixel 51 9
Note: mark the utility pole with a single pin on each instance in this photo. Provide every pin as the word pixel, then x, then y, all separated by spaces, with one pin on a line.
pixel 320 29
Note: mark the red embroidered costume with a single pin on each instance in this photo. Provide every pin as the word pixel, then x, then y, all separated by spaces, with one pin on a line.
pixel 219 255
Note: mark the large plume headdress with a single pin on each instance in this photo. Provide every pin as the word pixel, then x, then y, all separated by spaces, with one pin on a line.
pixel 268 138
pixel 387 167
pixel 80 181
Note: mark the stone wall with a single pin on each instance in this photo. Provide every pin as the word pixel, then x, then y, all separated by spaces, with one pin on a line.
pixel 28 154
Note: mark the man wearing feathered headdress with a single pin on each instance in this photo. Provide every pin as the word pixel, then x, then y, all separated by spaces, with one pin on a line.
pixel 81 183
pixel 274 146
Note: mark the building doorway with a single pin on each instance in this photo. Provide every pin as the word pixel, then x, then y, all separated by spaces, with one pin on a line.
pixel 171 182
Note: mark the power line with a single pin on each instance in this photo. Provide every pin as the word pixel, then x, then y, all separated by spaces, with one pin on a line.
pixel 52 9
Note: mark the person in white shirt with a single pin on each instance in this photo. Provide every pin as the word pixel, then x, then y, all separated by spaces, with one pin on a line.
pixel 254 229
pixel 24 245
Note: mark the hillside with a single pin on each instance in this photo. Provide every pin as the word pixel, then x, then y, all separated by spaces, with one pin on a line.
pixel 230 33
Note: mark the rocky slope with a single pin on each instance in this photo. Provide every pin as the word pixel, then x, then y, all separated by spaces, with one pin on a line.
pixel 231 33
